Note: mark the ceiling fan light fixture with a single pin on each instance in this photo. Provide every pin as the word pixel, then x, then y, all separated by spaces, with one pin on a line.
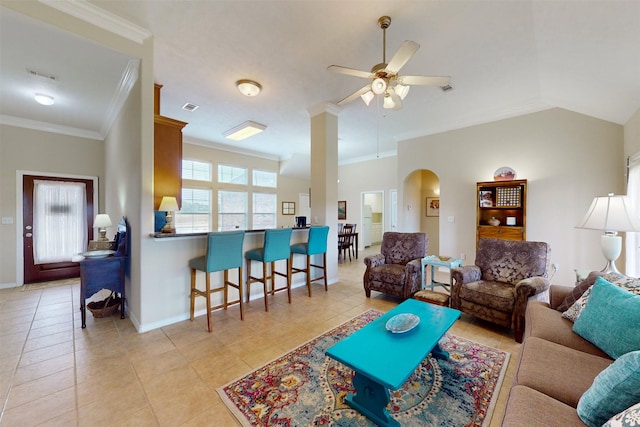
pixel 388 102
pixel 378 86
pixel 367 97
pixel 248 87
pixel 43 99
pixel 244 131
pixel 402 90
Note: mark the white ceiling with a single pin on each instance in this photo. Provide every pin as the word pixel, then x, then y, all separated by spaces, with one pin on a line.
pixel 505 58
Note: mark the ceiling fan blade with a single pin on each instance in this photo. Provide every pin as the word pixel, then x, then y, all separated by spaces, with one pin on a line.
pixel 349 71
pixel 401 57
pixel 425 80
pixel 354 95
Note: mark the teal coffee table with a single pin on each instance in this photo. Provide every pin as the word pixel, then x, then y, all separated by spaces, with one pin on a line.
pixel 383 360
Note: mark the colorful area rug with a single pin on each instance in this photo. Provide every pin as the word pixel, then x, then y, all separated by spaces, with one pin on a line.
pixel 306 388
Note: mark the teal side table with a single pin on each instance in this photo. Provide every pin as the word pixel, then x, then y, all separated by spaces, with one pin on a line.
pixel 433 261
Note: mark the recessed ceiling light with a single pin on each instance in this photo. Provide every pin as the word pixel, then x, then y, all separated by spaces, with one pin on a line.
pixel 244 131
pixel 248 87
pixel 43 99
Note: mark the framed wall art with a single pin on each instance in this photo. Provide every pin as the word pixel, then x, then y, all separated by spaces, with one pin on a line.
pixel 433 206
pixel 288 208
pixel 342 209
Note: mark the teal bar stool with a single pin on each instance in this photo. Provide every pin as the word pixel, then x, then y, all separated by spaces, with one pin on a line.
pixel 276 248
pixel 224 253
pixel 316 244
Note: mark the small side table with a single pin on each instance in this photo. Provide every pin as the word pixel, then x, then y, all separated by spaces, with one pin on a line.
pixel 434 261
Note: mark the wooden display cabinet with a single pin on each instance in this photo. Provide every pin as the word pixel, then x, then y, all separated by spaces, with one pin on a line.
pixel 505 201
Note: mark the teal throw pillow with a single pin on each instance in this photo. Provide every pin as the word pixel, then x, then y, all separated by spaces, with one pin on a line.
pixel 610 319
pixel 613 390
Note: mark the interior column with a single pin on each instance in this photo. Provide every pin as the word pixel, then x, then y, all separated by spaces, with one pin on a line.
pixel 324 177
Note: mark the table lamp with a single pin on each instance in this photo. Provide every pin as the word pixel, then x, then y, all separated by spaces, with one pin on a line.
pixel 101 222
pixel 611 214
pixel 169 205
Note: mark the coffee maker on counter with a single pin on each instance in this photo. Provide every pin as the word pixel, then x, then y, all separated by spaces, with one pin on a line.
pixel 301 221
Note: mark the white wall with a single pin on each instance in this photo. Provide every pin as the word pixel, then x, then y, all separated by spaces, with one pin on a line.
pixel 368 176
pixel 632 135
pixel 567 158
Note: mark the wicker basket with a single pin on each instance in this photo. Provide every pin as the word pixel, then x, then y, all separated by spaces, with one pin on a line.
pixel 104 308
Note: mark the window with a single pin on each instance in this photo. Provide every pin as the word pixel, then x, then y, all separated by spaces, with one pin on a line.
pixel 232 175
pixel 232 210
pixel 195 215
pixel 193 169
pixel 264 211
pixel 265 179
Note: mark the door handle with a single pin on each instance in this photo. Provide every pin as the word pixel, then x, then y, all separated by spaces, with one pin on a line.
pixel 28 235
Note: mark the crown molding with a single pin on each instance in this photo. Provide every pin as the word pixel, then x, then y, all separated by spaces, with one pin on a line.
pixel 128 80
pixel 92 14
pixel 49 127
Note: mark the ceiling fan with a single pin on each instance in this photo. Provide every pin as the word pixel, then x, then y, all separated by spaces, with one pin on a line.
pixel 384 77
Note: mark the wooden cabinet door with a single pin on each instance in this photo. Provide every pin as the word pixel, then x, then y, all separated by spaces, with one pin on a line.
pixel 167 160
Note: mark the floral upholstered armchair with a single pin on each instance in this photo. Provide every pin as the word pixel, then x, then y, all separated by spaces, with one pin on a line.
pixel 396 270
pixel 505 275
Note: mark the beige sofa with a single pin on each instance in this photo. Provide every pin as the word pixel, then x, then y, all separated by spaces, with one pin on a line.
pixel 554 368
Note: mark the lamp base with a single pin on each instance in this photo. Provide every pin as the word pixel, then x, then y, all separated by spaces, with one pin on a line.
pixel 611 249
pixel 168 229
pixel 168 226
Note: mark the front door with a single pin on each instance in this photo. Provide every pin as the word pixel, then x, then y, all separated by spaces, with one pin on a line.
pixel 56 225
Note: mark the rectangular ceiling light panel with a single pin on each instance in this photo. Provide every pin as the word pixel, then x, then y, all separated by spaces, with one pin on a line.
pixel 244 131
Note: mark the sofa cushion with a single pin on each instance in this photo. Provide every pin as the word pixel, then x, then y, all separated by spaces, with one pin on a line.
pixel 529 407
pixel 610 319
pixel 544 322
pixel 497 295
pixel 630 417
pixel 574 311
pixel 560 372
pixel 613 390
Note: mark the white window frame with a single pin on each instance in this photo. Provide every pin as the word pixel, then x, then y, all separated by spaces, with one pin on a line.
pixel 255 214
pixel 181 216
pixel 221 214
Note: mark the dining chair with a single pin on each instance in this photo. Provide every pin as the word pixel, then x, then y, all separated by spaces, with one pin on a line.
pixel 316 244
pixel 345 242
pixel 276 248
pixel 224 253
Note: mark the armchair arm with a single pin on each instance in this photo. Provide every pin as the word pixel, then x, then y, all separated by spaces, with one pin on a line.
pixel 413 283
pixel 465 274
pixel 526 288
pixel 460 276
pixel 374 260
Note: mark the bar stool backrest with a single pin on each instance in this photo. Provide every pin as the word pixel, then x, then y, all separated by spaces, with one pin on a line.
pixel 276 244
pixel 224 250
pixel 317 240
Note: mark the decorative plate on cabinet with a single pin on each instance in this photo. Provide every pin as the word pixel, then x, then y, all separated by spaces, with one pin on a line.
pixel 504 173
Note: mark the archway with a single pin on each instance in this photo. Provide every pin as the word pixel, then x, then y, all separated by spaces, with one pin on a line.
pixel 421 198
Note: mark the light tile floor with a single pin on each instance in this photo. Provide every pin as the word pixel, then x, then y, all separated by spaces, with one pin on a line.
pixel 54 373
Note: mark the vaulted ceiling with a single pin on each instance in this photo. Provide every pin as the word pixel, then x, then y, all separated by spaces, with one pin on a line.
pixel 505 58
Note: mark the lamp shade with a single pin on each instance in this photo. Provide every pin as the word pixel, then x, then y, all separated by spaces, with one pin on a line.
pixel 168 204
pixel 611 213
pixel 101 221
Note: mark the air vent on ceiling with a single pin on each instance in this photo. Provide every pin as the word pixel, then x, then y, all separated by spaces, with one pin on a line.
pixel 41 75
pixel 446 88
pixel 189 106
